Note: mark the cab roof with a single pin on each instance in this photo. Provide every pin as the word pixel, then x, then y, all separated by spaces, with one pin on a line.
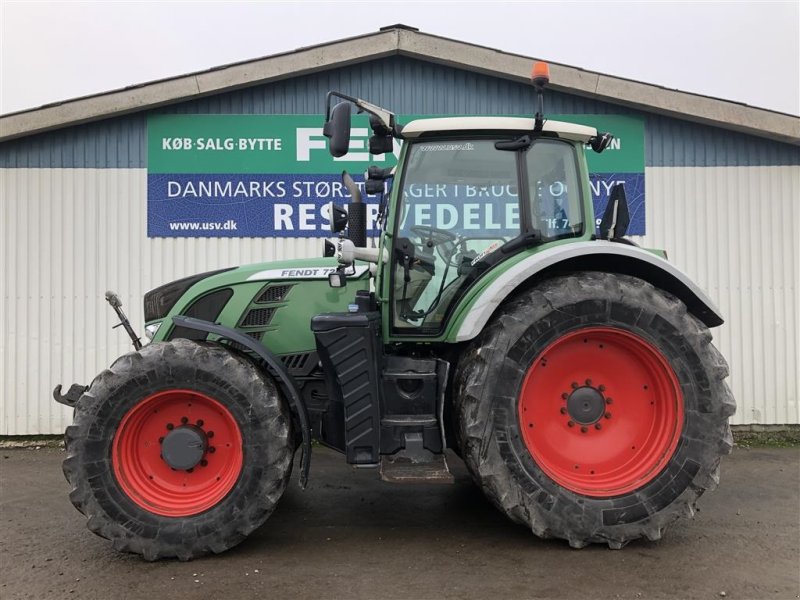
pixel 444 125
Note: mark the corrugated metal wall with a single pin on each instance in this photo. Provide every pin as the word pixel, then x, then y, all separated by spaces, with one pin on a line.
pixel 733 231
pixel 715 199
pixel 70 234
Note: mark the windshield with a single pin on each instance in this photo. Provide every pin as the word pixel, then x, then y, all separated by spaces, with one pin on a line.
pixel 460 202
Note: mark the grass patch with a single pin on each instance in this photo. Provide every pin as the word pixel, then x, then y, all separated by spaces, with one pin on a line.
pixel 31 441
pixel 787 438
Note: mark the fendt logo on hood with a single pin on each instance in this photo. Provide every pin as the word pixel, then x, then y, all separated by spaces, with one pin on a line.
pixel 303 273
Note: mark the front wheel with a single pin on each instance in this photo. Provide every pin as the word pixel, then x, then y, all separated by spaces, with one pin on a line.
pixel 593 408
pixel 177 450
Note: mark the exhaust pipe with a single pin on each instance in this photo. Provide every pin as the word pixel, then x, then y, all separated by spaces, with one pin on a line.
pixel 356 213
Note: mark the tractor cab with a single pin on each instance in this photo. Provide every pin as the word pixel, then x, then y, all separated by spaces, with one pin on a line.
pixel 466 203
pixel 468 194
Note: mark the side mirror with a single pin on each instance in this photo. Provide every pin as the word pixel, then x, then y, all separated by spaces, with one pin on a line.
pixel 337 129
pixel 338 218
pixel 600 142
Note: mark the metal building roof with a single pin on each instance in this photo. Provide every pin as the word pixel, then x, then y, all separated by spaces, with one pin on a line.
pixel 404 41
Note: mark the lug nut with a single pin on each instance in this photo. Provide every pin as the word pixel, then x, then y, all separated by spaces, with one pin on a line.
pixel 609 401
pixel 608 415
pixel 584 429
pixel 210 434
pixel 204 463
pixel 598 426
pixel 565 395
pixel 563 410
pixel 212 449
pixel 574 385
pixel 170 426
pixel 200 422
pixel 190 470
pixel 588 382
pixel 601 387
pixel 184 420
pixel 571 423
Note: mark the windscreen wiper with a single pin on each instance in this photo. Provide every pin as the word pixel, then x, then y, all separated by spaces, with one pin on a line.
pixel 521 143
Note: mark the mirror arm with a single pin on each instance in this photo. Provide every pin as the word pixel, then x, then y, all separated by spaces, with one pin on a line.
pixel 386 118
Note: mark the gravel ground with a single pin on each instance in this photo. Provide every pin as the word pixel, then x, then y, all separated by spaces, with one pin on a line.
pixel 351 536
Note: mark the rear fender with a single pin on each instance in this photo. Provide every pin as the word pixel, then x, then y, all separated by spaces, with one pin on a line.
pixel 611 257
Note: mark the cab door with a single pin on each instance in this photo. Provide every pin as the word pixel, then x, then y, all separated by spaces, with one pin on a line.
pixel 457 207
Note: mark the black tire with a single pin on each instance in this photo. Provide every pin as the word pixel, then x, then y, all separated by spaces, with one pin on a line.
pixel 253 401
pixel 489 381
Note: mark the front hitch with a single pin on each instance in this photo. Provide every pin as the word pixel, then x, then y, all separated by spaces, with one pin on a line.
pixel 72 396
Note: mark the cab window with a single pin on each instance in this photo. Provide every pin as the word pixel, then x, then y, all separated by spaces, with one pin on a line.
pixel 553 190
pixel 460 202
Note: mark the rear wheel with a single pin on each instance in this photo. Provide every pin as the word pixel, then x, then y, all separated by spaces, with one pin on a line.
pixel 594 409
pixel 178 450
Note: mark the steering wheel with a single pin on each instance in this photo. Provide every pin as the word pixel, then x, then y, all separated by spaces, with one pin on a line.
pixel 444 241
pixel 434 236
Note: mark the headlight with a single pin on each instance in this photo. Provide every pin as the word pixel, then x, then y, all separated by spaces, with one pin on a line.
pixel 151 330
pixel 158 302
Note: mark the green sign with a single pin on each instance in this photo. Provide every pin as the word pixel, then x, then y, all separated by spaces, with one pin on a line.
pixel 294 144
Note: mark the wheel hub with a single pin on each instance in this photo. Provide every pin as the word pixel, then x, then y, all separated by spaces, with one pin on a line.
pixel 586 405
pixel 177 452
pixel 601 411
pixel 184 447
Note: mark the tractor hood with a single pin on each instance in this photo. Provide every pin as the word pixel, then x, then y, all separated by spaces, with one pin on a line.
pixel 272 302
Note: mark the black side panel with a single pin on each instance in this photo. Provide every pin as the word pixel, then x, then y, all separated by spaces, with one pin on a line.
pixel 350 348
pixel 206 308
pixel 411 398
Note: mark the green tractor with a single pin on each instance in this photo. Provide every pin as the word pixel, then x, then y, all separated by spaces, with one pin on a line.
pixel 571 370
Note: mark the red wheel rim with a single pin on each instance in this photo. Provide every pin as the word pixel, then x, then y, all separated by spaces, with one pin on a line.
pixel 145 476
pixel 601 411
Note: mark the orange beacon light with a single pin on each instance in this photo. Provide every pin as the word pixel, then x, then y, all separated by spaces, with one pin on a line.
pixel 540 75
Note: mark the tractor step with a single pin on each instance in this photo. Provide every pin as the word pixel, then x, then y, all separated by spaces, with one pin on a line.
pixel 401 469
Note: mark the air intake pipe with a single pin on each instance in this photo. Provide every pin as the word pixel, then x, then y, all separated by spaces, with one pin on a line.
pixel 357 213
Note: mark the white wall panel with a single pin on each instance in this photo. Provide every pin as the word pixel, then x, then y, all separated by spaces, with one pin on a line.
pixel 70 234
pixel 733 230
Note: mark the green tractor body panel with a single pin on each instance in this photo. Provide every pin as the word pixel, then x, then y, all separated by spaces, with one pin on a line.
pixel 273 302
pixel 462 311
